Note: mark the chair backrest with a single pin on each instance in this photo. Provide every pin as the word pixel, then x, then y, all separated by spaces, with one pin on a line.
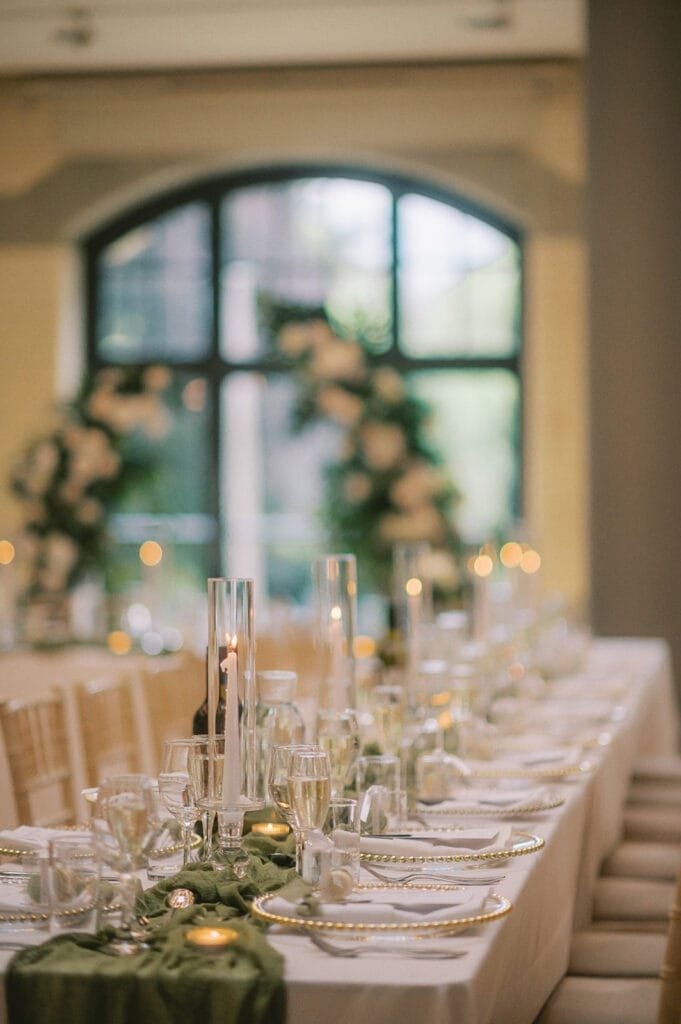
pixel 36 742
pixel 107 722
pixel 669 1011
pixel 173 690
pixel 292 649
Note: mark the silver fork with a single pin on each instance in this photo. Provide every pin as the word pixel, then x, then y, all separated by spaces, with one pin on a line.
pixel 424 952
pixel 433 876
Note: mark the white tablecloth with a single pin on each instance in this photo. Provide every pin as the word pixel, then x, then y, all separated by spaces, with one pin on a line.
pixel 511 965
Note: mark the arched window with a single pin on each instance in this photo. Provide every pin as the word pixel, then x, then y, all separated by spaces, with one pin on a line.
pixel 431 282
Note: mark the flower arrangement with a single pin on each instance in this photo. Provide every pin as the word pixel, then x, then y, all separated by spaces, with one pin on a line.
pixel 67 478
pixel 389 485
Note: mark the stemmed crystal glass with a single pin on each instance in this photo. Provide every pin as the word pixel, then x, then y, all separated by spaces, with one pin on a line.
pixel 338 735
pixel 277 779
pixel 177 792
pixel 125 825
pixel 309 794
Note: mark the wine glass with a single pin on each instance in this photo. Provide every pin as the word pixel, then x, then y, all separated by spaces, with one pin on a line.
pixel 309 794
pixel 124 826
pixel 338 736
pixel 205 760
pixel 177 792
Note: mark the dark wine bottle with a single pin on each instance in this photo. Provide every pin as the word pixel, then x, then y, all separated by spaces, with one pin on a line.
pixel 200 720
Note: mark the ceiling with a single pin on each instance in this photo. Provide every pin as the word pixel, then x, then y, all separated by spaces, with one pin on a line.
pixel 46 36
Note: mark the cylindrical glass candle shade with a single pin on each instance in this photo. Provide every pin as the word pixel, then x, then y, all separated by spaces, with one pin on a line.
pixel 231 662
pixel 413 597
pixel 335 584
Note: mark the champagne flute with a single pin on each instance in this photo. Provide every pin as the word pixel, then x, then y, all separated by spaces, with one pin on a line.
pixel 309 794
pixel 124 825
pixel 277 779
pixel 178 794
pixel 338 736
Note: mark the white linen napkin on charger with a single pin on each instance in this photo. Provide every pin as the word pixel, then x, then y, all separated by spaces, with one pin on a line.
pixel 32 838
pixel 438 843
pixel 392 907
pixel 504 799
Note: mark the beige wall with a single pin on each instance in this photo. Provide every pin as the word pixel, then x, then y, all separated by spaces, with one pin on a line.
pixel 75 150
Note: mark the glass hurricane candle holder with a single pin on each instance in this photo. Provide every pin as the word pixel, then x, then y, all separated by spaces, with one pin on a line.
pixel 335 588
pixel 231 663
pixel 413 601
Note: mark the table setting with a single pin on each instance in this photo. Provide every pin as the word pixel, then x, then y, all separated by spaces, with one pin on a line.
pixel 261 854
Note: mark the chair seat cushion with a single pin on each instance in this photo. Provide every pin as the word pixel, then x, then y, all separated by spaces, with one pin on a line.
pixel 632 899
pixel 637 859
pixel 659 823
pixel 579 1000
pixel 617 954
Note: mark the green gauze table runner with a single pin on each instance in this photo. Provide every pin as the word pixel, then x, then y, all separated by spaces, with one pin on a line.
pixel 69 979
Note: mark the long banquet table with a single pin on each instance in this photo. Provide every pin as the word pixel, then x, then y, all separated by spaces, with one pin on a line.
pixel 511 965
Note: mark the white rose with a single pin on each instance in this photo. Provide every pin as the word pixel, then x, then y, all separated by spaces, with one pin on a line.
pixel 417 486
pixel 383 444
pixel 61 552
pixel 424 523
pixel 340 405
pixel 89 511
pixel 338 360
pixel 156 378
pixel 295 339
pixel 357 487
pixel 388 385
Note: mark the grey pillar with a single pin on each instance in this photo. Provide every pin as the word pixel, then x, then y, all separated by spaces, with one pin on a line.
pixel 634 119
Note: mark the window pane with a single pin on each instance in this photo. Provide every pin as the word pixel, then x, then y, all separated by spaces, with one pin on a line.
pixel 474 427
pixel 272 484
pixel 317 241
pixel 154 290
pixel 169 504
pixel 459 282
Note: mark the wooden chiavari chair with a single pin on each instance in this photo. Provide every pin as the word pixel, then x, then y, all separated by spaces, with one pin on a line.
pixel 173 691
pixel 36 742
pixel 109 731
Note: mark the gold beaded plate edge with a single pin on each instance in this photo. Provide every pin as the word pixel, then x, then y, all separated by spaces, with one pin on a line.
pixel 540 773
pixel 498 905
pixel 479 810
pixel 155 854
pixel 520 844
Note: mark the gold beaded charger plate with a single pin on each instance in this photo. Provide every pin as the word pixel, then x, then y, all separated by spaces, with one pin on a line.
pixel 490 907
pixel 16 905
pixel 498 770
pixel 476 810
pixel 518 844
pixel 156 853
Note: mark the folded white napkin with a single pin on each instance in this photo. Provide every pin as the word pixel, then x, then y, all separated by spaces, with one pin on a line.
pixel 31 838
pixel 393 907
pixel 438 843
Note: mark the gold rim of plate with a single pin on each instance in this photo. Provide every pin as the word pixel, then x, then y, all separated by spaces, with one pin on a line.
pixel 545 773
pixel 477 810
pixel 17 917
pixel 501 906
pixel 522 843
pixel 156 854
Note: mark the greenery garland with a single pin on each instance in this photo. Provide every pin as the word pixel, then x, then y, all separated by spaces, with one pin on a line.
pixel 389 485
pixel 103 440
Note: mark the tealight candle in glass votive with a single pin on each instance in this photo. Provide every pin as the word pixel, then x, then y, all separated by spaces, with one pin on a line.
pixel 211 939
pixel 273 829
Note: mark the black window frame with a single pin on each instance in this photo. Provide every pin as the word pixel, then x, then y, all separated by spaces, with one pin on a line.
pixel 211 191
